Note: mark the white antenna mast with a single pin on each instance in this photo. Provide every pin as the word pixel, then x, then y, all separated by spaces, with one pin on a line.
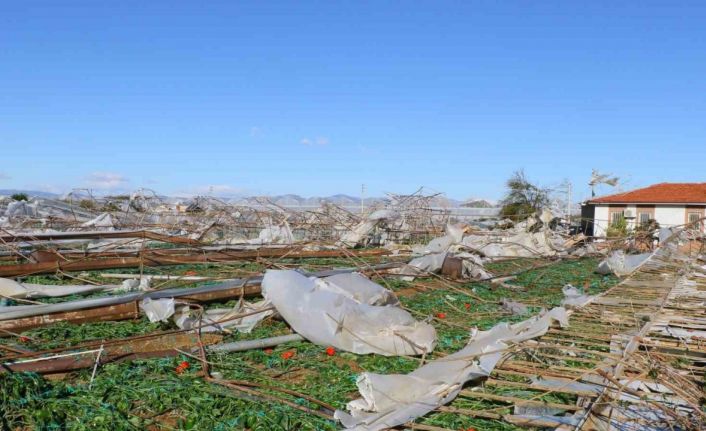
pixel 362 199
pixel 598 178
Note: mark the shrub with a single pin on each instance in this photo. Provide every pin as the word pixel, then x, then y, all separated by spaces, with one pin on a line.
pixel 618 229
pixel 20 197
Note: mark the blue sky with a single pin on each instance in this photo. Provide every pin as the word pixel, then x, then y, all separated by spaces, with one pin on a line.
pixel 316 98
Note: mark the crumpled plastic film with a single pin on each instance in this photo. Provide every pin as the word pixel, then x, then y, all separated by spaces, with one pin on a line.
pixel 391 400
pixel 320 312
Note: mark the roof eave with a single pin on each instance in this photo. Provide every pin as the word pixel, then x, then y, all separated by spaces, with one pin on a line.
pixel 643 203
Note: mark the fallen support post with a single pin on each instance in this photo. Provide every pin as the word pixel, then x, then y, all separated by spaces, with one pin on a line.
pixel 240 346
pixel 165 258
pixel 163 346
pixel 63 236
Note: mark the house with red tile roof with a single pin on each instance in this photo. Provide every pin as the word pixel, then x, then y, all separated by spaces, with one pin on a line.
pixel 670 204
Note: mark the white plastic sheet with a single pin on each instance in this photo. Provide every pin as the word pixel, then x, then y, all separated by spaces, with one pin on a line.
pixel 358 288
pixel 362 230
pixel 104 220
pixel 454 235
pixel 274 235
pixel 220 319
pixel 12 289
pixel 621 264
pixel 321 313
pixel 574 297
pixel 158 310
pixel 391 400
pixel 514 307
pixel 433 262
pixel 423 265
pixel 473 266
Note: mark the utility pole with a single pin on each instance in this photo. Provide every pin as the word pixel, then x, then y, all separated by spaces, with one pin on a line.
pixel 568 205
pixel 362 199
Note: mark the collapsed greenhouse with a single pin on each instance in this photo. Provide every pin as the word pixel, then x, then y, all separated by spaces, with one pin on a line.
pixel 127 314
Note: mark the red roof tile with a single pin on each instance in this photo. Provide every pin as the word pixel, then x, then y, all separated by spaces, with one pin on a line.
pixel 672 193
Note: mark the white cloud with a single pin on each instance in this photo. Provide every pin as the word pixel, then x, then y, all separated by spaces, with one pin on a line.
pixel 318 141
pixel 106 180
pixel 255 131
pixel 4 176
pixel 219 190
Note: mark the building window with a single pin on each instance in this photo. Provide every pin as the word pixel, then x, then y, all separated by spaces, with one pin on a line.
pixel 643 219
pixel 616 218
pixel 694 217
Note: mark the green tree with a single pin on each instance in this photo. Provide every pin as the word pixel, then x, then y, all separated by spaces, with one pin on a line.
pixel 522 198
pixel 20 197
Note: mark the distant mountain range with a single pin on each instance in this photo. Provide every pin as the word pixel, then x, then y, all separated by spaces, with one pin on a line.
pixel 348 201
pixel 293 200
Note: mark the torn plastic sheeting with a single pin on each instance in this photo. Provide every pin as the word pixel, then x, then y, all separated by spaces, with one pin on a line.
pixel 556 384
pixel 359 288
pixel 574 297
pixel 158 310
pixel 323 315
pixel 360 232
pixel 514 307
pixel 274 235
pixel 682 333
pixel 473 266
pixel 539 421
pixel 219 319
pixel 454 235
pixel 22 208
pixel 142 283
pixel 540 416
pixel 621 264
pixel 664 234
pixel 520 241
pixel 104 220
pixel 432 264
pixel 12 289
pixel 391 400
pixel 421 266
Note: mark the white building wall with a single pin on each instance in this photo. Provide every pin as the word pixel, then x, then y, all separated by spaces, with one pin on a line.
pixel 668 216
pixel 600 220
